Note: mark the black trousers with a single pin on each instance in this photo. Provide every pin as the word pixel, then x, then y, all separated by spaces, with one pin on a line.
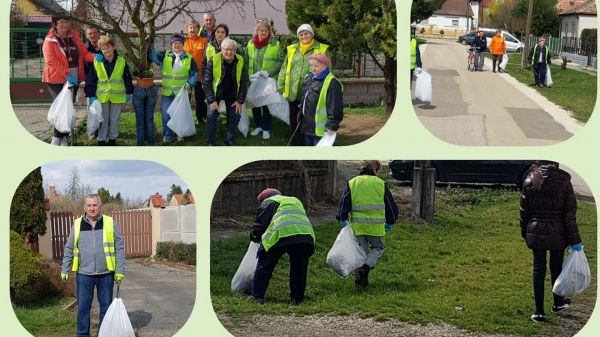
pixel 294 111
pixel 496 58
pixel 201 106
pixel 299 255
pixel 539 275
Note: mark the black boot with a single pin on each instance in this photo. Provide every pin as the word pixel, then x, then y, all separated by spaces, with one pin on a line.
pixel 112 142
pixel 101 143
pixel 363 275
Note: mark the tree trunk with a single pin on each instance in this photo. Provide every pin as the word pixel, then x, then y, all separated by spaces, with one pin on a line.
pixel 390 84
pixel 32 242
pixel 306 185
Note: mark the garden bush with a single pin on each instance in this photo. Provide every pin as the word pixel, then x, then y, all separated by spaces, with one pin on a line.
pixel 177 251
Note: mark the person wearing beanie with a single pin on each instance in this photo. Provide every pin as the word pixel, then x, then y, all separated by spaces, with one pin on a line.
pixel 264 56
pixel 281 227
pixel 178 70
pixel 294 69
pixel 195 46
pixel 368 205
pixel 322 101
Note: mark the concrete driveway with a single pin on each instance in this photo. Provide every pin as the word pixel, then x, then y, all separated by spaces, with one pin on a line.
pixel 159 299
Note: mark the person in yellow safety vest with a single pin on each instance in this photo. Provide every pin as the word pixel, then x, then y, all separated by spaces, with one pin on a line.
pixel 109 81
pixel 96 253
pixel 225 79
pixel 369 206
pixel 293 71
pixel 264 56
pixel 178 70
pixel 416 65
pixel 322 103
pixel 213 47
pixel 282 227
pixel 540 59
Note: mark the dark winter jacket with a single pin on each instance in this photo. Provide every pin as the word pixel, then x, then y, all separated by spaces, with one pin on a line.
pixel 536 57
pixel 548 212
pixel 93 50
pixel 207 82
pixel 92 77
pixel 345 207
pixel 264 215
pixel 480 43
pixel 311 89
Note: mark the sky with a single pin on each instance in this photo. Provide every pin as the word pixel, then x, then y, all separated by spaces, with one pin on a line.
pixel 134 179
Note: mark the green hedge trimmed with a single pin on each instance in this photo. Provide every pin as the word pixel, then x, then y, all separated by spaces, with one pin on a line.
pixel 177 251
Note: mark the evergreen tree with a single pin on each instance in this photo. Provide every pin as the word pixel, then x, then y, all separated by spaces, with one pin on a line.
pixel 27 211
pixel 118 199
pixel 187 191
pixel 104 195
pixel 544 19
pixel 175 189
pixel 423 9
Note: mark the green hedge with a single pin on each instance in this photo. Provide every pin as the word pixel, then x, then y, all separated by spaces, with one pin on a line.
pixel 177 251
pixel 25 267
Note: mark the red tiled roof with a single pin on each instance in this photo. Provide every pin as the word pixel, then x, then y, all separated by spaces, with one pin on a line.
pixel 456 7
pixel 179 198
pixel 565 7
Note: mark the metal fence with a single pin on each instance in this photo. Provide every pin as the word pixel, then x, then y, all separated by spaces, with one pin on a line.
pixel 27 62
pixel 572 47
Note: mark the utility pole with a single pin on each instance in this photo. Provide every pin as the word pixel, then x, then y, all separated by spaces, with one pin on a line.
pixel 525 52
pixel 423 191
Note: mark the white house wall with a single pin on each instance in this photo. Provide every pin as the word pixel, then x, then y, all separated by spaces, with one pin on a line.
pixel 573 25
pixel 587 22
pixel 442 21
pixel 188 223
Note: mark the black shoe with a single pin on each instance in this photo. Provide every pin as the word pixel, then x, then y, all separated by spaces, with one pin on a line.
pixel 363 275
pixel 296 301
pixel 101 143
pixel 256 300
pixel 229 142
pixel 112 142
pixel 538 318
pixel 494 70
pixel 565 304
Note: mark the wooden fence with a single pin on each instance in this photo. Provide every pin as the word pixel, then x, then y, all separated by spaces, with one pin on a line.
pixel 135 227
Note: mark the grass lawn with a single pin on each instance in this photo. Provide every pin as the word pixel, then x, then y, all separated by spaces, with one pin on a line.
pixel 573 90
pixel 471 269
pixel 48 319
pixel 280 132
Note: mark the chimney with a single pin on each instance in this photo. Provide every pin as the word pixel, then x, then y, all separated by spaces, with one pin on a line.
pixel 53 193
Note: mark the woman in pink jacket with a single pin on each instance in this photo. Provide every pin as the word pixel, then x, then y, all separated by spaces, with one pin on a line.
pixel 64 55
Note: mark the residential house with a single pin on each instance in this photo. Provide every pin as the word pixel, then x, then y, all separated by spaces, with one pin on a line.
pixel 39 12
pixel 454 16
pixel 575 16
pixel 181 199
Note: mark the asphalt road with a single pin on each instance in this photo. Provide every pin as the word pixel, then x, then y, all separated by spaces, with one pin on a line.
pixel 485 108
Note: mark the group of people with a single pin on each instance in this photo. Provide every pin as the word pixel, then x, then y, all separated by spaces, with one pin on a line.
pixel 282 227
pixel 208 64
pixel 497 48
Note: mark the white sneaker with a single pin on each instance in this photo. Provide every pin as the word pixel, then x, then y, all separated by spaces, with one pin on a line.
pixel 64 141
pixel 266 135
pixel 55 141
pixel 256 132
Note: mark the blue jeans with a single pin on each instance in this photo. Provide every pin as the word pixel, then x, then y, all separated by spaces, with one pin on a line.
pixel 144 102
pixel 310 140
pixel 539 72
pixel 232 122
pixel 262 118
pixel 85 295
pixel 166 102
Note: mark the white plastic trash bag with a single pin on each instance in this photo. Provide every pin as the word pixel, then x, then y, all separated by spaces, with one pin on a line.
pixel 423 90
pixel 244 124
pixel 504 61
pixel 327 140
pixel 94 117
pixel 262 91
pixel 345 255
pixel 575 276
pixel 222 108
pixel 62 113
pixel 180 110
pixel 549 82
pixel 281 109
pixel 244 276
pixel 116 321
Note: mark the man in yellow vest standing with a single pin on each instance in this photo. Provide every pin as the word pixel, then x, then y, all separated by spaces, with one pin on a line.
pixel 96 253
pixel 540 59
pixel 225 78
pixel 369 205
pixel 282 227
pixel 415 55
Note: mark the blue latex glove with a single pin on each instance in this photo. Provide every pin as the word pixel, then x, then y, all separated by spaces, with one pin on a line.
pixel 577 247
pixel 152 53
pixel 91 100
pixel 71 79
pixel 388 227
pixel 127 98
pixel 343 223
pixel 99 57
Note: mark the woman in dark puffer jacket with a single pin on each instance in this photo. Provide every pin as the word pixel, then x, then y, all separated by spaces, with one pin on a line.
pixel 548 208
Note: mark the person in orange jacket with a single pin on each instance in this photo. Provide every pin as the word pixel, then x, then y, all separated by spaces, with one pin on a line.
pixel 195 45
pixel 497 48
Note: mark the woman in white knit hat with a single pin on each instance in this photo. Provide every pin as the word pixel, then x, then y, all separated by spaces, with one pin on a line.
pixel 293 71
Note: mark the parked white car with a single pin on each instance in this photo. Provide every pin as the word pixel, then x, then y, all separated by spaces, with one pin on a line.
pixel 513 45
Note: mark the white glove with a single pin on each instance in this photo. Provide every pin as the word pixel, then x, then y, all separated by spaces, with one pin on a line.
pixel 418 70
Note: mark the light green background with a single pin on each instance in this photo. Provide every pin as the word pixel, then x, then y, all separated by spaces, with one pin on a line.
pixel 203 168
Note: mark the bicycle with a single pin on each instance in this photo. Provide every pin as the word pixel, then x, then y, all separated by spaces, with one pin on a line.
pixel 471 60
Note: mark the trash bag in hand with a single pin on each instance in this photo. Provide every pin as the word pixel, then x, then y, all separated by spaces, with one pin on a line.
pixel 180 110
pixel 575 276
pixel 116 321
pixel 504 62
pixel 62 112
pixel 94 117
pixel 244 123
pixel 549 82
pixel 262 91
pixel 423 90
pixel 346 255
pixel 244 276
pixel 281 109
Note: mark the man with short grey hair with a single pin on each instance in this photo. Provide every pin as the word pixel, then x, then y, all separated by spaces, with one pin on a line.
pixel 208 30
pixel 96 253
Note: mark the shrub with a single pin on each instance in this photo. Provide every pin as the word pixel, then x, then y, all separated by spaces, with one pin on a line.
pixel 177 251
